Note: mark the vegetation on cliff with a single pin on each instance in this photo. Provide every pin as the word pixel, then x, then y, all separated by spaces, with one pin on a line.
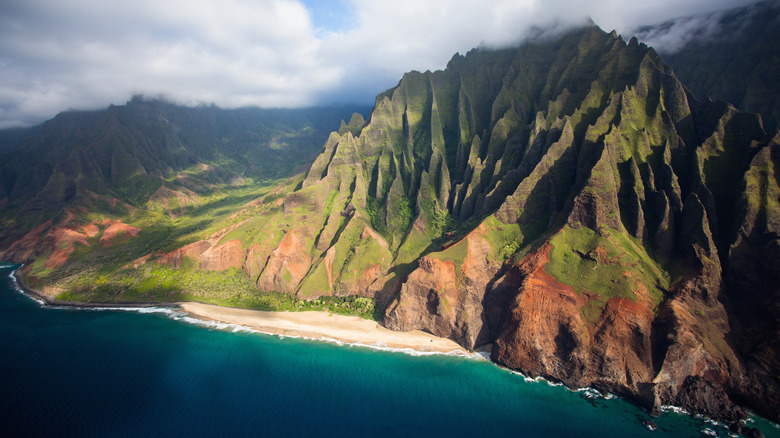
pixel 569 201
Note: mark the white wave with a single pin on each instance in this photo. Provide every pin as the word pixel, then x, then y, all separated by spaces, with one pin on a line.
pixel 484 354
pixel 709 432
pixel 710 421
pixel 413 352
pixel 17 288
pixel 211 324
pixel 675 409
pixel 381 346
pixel 144 310
pixel 528 379
pixel 593 393
pixel 165 310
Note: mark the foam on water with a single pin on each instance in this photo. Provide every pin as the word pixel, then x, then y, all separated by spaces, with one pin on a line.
pixel 15 284
pixel 593 393
pixel 178 315
pixel 236 328
pixel 708 427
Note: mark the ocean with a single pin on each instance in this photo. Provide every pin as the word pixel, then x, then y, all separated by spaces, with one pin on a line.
pixel 154 372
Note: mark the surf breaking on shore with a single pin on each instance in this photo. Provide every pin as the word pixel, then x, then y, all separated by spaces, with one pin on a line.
pixel 323 326
pixel 315 325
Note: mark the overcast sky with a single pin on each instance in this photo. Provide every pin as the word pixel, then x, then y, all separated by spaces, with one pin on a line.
pixel 86 54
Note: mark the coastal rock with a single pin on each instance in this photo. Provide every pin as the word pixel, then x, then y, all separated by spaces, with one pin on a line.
pixel 550 331
pixel 445 299
pixel 429 299
pixel 568 201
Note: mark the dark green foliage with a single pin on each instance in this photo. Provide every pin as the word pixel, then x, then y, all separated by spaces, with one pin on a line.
pixel 230 288
pixel 355 125
pixel 376 212
pixel 401 217
pixel 125 151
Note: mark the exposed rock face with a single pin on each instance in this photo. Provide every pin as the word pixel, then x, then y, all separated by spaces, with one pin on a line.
pixel 24 248
pixel 429 300
pixel 599 197
pixel 63 241
pixel 568 201
pixel 228 255
pixel 208 254
pixel 57 242
pixel 193 250
pixel 626 176
pixel 547 332
pixel 115 228
pixel 287 264
pixel 445 299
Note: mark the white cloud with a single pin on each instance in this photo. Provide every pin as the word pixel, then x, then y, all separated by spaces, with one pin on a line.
pixel 60 54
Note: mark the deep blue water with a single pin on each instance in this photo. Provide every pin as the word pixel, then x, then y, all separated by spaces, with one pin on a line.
pixel 70 372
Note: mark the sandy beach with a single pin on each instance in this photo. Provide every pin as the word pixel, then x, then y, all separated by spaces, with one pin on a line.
pixel 319 325
pixel 312 324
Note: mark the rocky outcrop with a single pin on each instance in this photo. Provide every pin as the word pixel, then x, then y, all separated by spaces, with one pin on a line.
pixel 193 250
pixel 116 230
pixel 568 201
pixel 224 256
pixel 208 255
pixel 615 207
pixel 287 264
pixel 444 294
pixel 56 243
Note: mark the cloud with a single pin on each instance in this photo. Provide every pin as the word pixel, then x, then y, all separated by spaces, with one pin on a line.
pixel 56 55
pixel 60 54
pixel 677 33
pixel 673 35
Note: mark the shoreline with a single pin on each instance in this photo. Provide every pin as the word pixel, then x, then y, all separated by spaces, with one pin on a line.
pixel 316 325
pixel 325 327
pixel 48 301
pixel 321 325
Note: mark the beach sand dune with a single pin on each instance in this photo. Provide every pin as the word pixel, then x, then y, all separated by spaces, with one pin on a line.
pixel 320 325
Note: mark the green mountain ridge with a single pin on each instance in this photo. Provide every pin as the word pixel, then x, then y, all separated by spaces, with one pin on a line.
pixel 569 201
pixel 128 152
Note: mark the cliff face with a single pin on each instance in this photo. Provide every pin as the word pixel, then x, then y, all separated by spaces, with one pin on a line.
pixel 569 202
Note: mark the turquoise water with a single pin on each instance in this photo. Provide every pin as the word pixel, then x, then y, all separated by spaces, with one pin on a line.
pixel 70 372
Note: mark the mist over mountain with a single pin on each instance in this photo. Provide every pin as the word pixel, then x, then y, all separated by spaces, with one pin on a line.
pixel 730 55
pixel 576 203
pixel 62 54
